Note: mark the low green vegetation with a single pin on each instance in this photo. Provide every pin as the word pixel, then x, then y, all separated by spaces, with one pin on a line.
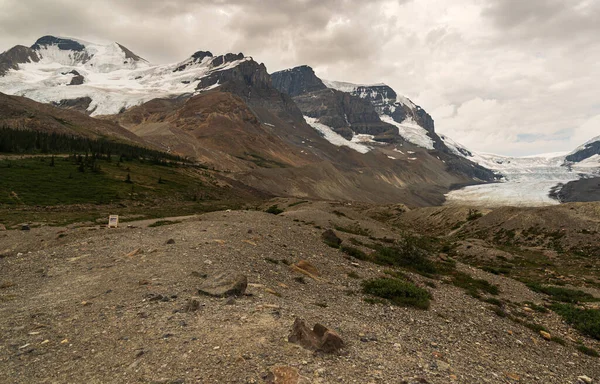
pixel 586 321
pixel 297 203
pixel 472 286
pixel 353 252
pixel 405 255
pixel 60 190
pixel 561 294
pixel 274 209
pixel 160 223
pixel 588 351
pixel 354 229
pixel 398 292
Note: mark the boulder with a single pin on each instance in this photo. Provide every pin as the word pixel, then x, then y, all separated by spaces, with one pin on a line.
pixel 224 285
pixel 331 238
pixel 320 338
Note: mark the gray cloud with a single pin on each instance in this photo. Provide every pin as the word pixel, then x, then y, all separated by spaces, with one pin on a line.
pixel 509 76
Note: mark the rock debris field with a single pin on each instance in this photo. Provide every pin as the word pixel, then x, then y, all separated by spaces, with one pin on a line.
pixel 128 305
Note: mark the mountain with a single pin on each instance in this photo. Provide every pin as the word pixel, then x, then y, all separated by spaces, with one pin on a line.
pixel 374 114
pixel 289 133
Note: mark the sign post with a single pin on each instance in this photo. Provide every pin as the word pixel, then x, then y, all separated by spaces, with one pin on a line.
pixel 113 221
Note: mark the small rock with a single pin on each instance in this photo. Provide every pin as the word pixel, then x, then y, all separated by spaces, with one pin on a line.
pixel 224 285
pixel 171 241
pixel 134 252
pixel 546 335
pixel 320 338
pixel 230 301
pixel 2 228
pixel 272 292
pixel 584 380
pixel 331 238
pixel 192 305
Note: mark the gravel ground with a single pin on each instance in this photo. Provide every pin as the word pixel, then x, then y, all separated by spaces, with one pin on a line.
pixel 80 306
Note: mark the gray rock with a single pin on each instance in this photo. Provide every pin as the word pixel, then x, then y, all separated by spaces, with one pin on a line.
pixel 224 285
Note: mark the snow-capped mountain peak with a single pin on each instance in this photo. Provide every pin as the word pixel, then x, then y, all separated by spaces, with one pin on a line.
pixel 102 79
pixel 95 57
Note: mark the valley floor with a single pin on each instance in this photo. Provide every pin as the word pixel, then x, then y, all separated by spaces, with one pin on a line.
pixel 79 304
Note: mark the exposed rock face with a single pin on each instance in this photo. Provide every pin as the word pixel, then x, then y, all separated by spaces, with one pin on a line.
pixel 81 104
pixel 77 79
pixel 62 44
pixel 15 56
pixel 386 102
pixel 297 81
pixel 227 58
pixel 196 58
pixel 345 113
pixel 588 150
pixel 129 54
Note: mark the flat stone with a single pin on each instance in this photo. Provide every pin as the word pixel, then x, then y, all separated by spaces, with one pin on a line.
pixel 224 285
pixel 308 267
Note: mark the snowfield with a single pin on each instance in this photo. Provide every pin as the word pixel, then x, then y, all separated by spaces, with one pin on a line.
pixel 111 79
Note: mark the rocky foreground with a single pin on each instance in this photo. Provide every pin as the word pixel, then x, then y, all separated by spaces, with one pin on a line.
pixel 141 304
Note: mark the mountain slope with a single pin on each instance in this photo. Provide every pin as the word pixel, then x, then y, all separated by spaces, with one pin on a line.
pixel 22 113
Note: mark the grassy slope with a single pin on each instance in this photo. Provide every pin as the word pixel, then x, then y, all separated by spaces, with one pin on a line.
pixel 32 190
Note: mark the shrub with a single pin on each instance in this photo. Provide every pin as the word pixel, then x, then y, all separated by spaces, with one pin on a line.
pixel 355 230
pixel 354 252
pixel 353 275
pixel 273 209
pixel 588 351
pixel 473 286
pixel 398 292
pixel 473 215
pixel 407 255
pixel 160 223
pixel 587 321
pixel 564 295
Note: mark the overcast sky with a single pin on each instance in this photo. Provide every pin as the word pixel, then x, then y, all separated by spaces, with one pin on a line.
pixel 515 77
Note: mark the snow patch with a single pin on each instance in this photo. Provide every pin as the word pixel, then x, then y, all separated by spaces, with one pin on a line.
pixel 335 138
pixel 410 131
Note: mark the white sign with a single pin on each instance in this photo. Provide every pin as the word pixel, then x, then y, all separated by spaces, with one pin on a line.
pixel 113 221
